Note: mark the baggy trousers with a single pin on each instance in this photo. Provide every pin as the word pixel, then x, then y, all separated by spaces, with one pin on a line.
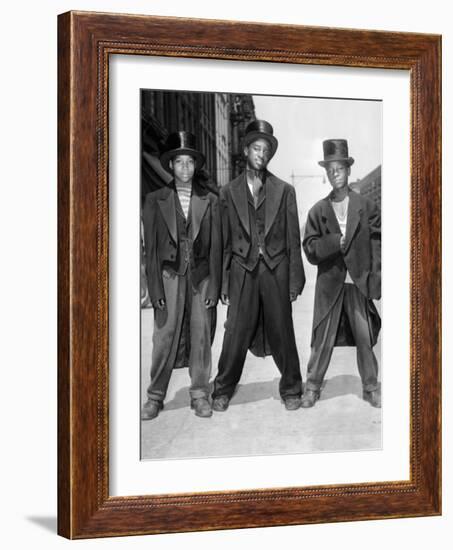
pixel 354 305
pixel 259 292
pixel 181 299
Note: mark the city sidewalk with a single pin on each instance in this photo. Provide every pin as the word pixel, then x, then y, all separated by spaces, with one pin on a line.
pixel 256 423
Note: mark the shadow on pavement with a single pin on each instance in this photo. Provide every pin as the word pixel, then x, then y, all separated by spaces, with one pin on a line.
pixel 245 393
pixel 343 384
pixel 181 400
pixel 255 391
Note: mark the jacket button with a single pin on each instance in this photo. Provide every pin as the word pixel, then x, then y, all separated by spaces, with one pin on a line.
pixel 240 237
pixel 240 250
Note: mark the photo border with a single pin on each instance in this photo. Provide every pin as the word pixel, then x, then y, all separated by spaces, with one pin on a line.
pixel 85 42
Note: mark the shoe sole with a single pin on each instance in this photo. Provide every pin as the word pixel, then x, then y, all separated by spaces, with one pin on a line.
pixel 218 409
pixel 208 414
pixel 294 407
pixel 147 418
pixel 150 417
pixel 307 405
pixel 154 416
pixel 374 405
pixel 310 404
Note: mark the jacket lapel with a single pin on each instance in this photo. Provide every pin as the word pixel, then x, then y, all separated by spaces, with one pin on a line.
pixel 198 207
pixel 239 196
pixel 354 210
pixel 329 217
pixel 167 207
pixel 178 206
pixel 274 192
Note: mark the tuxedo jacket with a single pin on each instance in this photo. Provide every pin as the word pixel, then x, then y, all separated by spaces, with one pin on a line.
pixel 176 245
pixel 361 258
pixel 279 231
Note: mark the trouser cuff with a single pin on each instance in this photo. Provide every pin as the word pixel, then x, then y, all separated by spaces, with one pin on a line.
pixel 313 386
pixel 198 393
pixel 159 397
pixel 370 387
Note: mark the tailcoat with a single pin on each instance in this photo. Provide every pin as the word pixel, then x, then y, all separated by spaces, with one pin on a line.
pixel 183 264
pixel 281 238
pixel 361 258
pixel 162 213
pixel 262 269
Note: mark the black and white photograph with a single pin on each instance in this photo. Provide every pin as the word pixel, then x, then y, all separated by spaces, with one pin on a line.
pixel 209 341
pixel 260 274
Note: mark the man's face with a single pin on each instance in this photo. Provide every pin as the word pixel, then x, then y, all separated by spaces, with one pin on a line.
pixel 258 154
pixel 338 173
pixel 183 167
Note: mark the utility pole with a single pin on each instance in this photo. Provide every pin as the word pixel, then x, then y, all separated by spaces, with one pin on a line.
pixel 295 177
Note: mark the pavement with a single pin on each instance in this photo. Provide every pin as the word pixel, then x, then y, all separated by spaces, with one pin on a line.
pixel 256 422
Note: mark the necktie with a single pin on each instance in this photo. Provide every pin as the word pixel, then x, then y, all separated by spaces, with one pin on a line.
pixel 257 184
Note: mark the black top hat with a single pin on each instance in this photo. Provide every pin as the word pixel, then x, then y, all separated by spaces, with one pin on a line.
pixel 335 149
pixel 261 129
pixel 181 143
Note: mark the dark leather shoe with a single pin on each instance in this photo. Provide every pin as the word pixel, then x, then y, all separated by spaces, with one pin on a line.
pixel 292 403
pixel 201 407
pixel 309 398
pixel 373 397
pixel 220 404
pixel 151 409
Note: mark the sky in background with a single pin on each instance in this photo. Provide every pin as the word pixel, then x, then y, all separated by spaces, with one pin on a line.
pixel 301 124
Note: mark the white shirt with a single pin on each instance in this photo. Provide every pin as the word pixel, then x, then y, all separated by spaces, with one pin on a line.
pixel 341 213
pixel 250 180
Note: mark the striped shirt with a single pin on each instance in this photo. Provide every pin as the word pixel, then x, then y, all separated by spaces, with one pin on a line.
pixel 184 194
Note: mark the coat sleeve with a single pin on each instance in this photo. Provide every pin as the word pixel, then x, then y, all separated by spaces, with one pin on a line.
pixel 225 240
pixel 374 280
pixel 215 253
pixel 318 247
pixel 153 270
pixel 296 266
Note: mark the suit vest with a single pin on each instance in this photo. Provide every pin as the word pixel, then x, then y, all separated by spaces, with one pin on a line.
pixel 183 251
pixel 257 220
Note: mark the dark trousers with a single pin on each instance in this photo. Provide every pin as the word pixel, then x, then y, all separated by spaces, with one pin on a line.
pixel 265 293
pixel 354 305
pixel 185 310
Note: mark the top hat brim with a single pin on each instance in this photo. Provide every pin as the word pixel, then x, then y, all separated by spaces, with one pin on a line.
pixel 348 160
pixel 253 136
pixel 166 157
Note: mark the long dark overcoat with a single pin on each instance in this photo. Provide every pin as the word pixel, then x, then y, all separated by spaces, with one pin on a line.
pixel 282 237
pixel 362 259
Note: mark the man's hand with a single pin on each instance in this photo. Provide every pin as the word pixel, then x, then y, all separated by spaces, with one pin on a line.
pixel 225 300
pixel 292 296
pixel 160 304
pixel 209 303
pixel 342 243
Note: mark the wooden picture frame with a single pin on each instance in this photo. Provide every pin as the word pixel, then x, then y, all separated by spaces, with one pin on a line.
pixel 85 41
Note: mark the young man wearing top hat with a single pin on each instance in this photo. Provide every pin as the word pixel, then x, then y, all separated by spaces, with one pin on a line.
pixel 262 270
pixel 182 234
pixel 343 238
